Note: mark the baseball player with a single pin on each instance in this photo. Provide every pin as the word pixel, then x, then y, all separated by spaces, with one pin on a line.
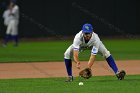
pixel 11 20
pixel 87 39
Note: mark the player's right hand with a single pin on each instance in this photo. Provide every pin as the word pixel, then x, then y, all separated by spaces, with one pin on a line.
pixel 78 65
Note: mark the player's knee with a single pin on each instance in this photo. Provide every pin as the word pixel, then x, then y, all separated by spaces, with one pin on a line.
pixel 66 55
pixel 106 54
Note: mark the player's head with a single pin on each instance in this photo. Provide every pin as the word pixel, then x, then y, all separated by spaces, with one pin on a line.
pixel 87 30
pixel 13 1
pixel 12 4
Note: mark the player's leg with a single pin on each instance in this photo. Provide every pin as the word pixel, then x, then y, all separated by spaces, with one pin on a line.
pixel 6 39
pixel 14 32
pixel 111 62
pixel 68 63
pixel 8 34
pixel 15 38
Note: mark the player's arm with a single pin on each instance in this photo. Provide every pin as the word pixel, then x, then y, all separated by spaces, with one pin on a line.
pixel 94 51
pixel 76 58
pixel 76 48
pixel 14 10
pixel 91 60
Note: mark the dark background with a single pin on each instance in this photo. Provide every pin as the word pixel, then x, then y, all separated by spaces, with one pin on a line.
pixel 52 18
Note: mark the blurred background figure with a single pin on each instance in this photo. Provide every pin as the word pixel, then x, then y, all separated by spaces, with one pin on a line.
pixel 11 20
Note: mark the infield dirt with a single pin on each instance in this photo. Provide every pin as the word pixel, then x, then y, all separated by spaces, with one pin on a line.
pixel 57 69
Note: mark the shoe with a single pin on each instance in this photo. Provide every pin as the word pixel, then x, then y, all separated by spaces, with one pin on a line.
pixel 70 79
pixel 15 45
pixel 120 75
pixel 4 45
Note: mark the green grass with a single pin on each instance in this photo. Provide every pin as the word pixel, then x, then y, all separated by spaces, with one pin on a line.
pixel 96 84
pixel 33 51
pixel 54 50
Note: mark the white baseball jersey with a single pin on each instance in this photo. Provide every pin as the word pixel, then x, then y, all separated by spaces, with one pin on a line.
pixel 94 44
pixel 13 22
pixel 80 44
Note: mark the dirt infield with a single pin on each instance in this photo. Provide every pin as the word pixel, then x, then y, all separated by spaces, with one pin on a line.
pixel 57 69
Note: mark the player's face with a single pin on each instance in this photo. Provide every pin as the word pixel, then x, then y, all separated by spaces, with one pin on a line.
pixel 87 36
pixel 11 5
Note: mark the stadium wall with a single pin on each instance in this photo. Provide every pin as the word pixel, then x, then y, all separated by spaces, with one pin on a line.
pixel 45 18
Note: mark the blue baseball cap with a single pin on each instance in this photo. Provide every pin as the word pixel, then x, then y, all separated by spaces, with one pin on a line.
pixel 87 28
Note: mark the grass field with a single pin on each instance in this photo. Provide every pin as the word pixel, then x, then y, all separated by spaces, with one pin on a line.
pixel 97 84
pixel 54 50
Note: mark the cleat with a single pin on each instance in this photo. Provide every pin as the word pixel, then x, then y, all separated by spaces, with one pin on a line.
pixel 4 45
pixel 15 45
pixel 70 79
pixel 120 75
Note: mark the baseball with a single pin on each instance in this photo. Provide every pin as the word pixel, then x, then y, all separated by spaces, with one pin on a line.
pixel 81 83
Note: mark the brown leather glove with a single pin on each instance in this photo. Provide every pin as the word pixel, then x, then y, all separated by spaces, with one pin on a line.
pixel 85 73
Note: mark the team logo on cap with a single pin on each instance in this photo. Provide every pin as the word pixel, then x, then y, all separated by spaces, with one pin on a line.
pixel 87 27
